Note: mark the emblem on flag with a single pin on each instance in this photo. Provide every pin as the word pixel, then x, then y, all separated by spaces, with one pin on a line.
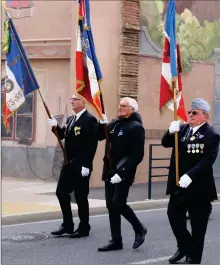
pixel 20 79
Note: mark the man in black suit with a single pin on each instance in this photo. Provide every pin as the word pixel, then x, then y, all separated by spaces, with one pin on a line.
pixel 80 134
pixel 127 139
pixel 198 149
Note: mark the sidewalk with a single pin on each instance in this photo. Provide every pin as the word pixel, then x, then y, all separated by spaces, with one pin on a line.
pixel 36 200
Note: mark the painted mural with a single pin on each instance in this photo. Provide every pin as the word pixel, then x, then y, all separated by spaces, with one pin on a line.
pixel 198 27
pixel 19 8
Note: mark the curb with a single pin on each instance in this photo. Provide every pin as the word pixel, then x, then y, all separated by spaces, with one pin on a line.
pixel 46 216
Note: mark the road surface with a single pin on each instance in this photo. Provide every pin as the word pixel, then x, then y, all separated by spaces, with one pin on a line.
pixel 159 244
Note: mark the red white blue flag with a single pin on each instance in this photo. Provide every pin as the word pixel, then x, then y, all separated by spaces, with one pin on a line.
pixel 171 65
pixel 88 73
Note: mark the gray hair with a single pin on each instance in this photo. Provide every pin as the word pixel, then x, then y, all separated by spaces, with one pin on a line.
pixel 132 103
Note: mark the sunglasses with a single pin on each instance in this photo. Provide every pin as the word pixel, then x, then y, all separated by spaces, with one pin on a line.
pixel 194 112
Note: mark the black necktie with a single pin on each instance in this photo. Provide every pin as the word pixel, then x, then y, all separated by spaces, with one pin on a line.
pixel 72 123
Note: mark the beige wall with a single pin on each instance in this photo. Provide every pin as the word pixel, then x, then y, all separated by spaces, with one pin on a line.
pixel 51 19
pixel 53 78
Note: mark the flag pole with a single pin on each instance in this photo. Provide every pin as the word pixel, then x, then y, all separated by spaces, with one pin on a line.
pixel 174 80
pixel 46 108
pixel 106 132
pixel 54 129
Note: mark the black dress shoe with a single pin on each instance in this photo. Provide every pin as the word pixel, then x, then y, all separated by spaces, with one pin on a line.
pixel 113 245
pixel 62 230
pixel 78 234
pixel 177 256
pixel 140 238
pixel 189 261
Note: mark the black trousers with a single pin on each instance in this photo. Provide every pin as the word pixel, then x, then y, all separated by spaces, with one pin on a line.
pixel 71 180
pixel 116 202
pixel 198 209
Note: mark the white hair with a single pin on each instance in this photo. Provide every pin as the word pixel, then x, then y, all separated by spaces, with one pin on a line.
pixel 132 103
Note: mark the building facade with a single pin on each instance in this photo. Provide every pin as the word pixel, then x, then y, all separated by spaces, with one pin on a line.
pixel 129 52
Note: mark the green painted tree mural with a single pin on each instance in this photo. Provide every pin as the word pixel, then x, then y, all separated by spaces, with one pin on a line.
pixel 197 42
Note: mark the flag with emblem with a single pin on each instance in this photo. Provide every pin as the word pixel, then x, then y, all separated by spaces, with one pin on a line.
pixel 20 79
pixel 88 73
pixel 171 66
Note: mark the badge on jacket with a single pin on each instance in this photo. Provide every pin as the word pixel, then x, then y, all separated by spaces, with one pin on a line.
pixel 77 130
pixel 120 133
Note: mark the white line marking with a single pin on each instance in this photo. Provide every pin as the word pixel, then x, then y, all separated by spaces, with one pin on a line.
pixel 151 260
pixel 92 216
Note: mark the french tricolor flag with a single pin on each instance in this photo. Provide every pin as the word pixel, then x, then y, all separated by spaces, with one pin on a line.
pixel 171 65
pixel 88 72
pixel 20 79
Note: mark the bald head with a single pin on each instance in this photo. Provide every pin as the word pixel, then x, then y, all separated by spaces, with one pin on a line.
pixel 78 103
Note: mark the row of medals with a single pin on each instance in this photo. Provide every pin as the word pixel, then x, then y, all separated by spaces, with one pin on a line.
pixel 195 148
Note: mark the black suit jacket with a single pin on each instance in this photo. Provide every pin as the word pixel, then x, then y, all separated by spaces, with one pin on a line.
pixel 197 164
pixel 81 140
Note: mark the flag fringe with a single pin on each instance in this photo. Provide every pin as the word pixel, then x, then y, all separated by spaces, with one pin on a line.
pixel 6 41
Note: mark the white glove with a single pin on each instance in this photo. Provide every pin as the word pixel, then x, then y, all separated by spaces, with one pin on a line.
pixel 174 127
pixel 115 179
pixel 85 171
pixel 105 119
pixel 185 181
pixel 52 122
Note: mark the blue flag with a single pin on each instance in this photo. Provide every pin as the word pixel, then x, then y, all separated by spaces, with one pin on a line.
pixel 170 31
pixel 20 79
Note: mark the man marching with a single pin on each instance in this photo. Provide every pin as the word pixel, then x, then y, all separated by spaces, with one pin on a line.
pixel 198 149
pixel 127 139
pixel 80 134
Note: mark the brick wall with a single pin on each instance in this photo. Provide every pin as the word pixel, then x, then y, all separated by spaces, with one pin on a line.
pixel 129 48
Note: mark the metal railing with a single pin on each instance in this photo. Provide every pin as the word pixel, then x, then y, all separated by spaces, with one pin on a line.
pixel 150 176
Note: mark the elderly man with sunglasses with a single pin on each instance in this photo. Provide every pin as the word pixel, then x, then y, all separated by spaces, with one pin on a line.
pixel 198 149
pixel 80 134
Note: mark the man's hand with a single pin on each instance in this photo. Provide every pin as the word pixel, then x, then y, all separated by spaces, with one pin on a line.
pixel 52 122
pixel 174 127
pixel 85 171
pixel 185 181
pixel 105 119
pixel 115 179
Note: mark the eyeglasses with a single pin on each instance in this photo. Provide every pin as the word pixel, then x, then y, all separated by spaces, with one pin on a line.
pixel 123 106
pixel 72 99
pixel 194 112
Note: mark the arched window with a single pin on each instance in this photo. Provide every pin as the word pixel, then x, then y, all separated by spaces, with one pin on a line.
pixel 22 122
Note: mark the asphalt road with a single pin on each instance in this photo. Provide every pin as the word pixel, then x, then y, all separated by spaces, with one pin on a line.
pixel 159 244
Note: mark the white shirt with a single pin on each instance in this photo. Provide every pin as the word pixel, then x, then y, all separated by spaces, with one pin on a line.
pixel 197 127
pixel 77 117
pixel 79 114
